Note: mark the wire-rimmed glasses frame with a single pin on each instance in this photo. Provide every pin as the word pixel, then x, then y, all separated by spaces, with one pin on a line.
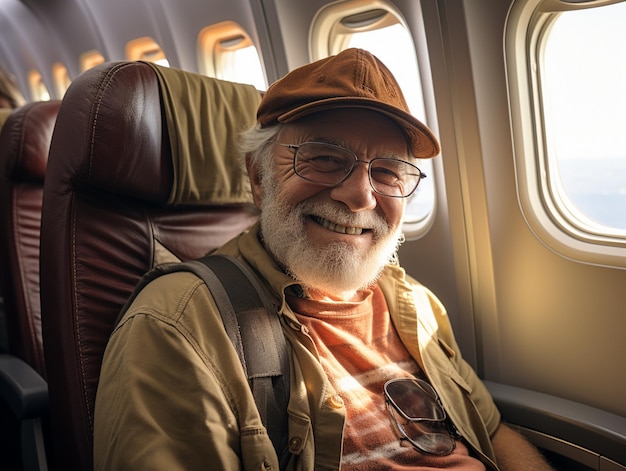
pixel 419 415
pixel 329 165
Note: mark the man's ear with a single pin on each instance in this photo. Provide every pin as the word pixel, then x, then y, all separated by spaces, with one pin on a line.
pixel 254 172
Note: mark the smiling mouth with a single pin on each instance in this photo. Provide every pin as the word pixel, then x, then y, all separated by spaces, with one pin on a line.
pixel 331 226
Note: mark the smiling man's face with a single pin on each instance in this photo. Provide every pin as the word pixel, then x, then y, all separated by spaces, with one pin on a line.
pixel 332 239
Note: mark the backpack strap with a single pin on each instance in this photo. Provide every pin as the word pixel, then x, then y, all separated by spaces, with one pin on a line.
pixel 263 352
pixel 253 327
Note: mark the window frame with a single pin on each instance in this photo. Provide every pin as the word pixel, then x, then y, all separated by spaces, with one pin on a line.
pixel 215 40
pixel 38 89
pixel 555 224
pixel 146 49
pixel 61 78
pixel 89 59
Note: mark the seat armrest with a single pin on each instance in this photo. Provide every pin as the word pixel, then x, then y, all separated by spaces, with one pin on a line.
pixel 599 432
pixel 22 388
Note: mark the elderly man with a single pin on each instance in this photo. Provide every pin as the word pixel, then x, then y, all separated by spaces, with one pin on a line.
pixel 377 380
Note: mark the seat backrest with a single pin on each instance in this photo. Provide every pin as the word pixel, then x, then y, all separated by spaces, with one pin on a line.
pixel 133 180
pixel 24 144
pixel 4 114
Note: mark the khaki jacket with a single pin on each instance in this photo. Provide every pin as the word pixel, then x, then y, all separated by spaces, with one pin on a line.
pixel 173 396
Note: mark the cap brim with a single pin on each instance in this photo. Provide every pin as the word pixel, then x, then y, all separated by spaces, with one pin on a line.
pixel 423 143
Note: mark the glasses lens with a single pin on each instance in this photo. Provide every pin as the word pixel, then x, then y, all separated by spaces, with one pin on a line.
pixel 323 163
pixel 415 399
pixel 328 164
pixel 393 177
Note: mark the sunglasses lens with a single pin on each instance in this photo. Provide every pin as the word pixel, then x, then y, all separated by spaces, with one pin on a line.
pixel 416 410
pixel 416 400
pixel 430 437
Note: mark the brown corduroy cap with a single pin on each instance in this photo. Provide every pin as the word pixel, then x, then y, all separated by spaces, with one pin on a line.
pixel 354 78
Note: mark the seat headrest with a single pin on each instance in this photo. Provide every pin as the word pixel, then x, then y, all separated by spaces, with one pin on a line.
pixel 158 134
pixel 204 119
pixel 25 140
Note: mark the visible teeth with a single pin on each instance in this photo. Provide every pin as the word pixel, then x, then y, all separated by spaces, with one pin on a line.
pixel 337 227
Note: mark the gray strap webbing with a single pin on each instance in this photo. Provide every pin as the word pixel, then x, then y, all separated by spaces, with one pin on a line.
pixel 253 327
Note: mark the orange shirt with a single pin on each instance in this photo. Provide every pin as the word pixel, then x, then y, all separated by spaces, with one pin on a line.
pixel 360 350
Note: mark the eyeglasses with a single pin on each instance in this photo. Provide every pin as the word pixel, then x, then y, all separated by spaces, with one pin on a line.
pixel 329 165
pixel 419 415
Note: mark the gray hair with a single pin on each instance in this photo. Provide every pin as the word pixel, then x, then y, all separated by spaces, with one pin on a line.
pixel 257 141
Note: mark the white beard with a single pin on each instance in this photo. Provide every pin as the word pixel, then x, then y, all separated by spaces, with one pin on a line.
pixel 337 269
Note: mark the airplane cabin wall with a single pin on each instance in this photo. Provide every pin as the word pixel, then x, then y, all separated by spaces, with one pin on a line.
pixel 47 32
pixel 69 31
pixel 544 322
pixel 26 43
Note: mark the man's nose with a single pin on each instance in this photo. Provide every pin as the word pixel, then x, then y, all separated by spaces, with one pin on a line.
pixel 356 192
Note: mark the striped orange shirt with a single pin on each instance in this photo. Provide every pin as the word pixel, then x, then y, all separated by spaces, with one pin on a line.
pixel 360 350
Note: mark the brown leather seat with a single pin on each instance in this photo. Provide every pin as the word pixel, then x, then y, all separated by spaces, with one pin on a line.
pixel 24 145
pixel 108 217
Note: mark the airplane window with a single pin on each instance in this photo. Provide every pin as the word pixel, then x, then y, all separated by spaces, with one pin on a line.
pixel 566 72
pixel 226 52
pixel 353 24
pixel 240 64
pixel 38 89
pixel 583 73
pixel 61 79
pixel 146 49
pixel 90 59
